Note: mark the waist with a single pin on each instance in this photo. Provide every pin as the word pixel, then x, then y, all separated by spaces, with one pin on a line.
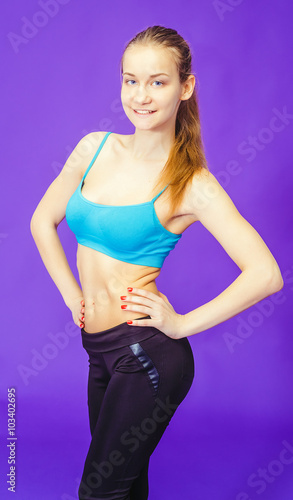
pixel 117 336
pixel 103 280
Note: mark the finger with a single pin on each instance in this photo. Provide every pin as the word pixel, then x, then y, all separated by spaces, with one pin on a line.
pixel 139 309
pixel 138 304
pixel 142 292
pixel 141 322
pixel 139 292
pixel 141 301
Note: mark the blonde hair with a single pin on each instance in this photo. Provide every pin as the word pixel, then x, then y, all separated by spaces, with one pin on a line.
pixel 187 152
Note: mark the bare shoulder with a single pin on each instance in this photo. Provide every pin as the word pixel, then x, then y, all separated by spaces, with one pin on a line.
pixel 83 153
pixel 89 143
pixel 205 192
pixel 202 179
pixel 86 148
pixel 52 207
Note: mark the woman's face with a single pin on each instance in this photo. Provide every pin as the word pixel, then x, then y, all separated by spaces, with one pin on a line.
pixel 145 87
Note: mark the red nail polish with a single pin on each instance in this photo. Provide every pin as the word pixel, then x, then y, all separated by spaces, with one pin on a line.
pixel 129 289
pixel 82 318
pixel 129 322
pixel 80 325
pixel 123 297
pixel 124 306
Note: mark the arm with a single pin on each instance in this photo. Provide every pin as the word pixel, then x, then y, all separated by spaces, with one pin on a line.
pixel 48 215
pixel 260 274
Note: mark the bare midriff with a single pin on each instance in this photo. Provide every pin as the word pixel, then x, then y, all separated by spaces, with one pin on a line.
pixel 103 280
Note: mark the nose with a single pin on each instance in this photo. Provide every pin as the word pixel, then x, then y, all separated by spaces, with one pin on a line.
pixel 140 95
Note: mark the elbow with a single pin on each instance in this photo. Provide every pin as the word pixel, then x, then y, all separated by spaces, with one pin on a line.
pixel 278 282
pixel 34 225
pixel 266 279
pixel 274 280
pixel 41 226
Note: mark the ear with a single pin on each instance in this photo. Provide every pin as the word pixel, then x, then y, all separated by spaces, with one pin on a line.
pixel 187 88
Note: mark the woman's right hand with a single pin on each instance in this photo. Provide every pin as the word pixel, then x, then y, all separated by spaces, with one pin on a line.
pixel 77 308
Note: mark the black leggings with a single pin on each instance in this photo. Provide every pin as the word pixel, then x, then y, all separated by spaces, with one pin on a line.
pixel 133 392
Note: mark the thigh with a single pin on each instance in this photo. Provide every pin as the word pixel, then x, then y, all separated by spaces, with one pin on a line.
pixel 148 381
pixel 126 432
pixel 98 379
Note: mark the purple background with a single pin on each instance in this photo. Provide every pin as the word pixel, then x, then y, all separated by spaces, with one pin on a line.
pixel 63 83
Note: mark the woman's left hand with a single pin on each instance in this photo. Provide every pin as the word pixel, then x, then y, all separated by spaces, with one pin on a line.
pixel 163 315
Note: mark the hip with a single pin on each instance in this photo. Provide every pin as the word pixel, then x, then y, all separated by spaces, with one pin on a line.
pixel 174 356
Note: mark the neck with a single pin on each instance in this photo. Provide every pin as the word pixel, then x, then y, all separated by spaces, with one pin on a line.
pixel 151 145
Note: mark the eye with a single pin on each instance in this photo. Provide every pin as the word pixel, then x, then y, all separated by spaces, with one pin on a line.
pixel 156 81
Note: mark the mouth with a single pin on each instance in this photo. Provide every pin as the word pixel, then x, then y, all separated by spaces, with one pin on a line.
pixel 144 112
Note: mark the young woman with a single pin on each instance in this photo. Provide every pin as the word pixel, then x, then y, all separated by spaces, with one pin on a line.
pixel 128 205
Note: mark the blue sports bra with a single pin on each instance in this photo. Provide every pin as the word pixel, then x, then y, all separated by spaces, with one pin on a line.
pixel 130 233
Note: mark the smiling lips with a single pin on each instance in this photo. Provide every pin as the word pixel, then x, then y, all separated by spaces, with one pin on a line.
pixel 143 111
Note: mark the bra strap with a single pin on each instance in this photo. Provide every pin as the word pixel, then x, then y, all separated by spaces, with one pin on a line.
pixel 94 158
pixel 157 195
